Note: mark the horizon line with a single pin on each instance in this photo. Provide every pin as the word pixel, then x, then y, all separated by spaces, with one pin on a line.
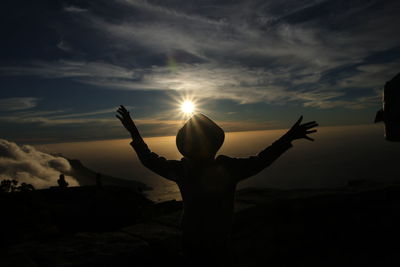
pixel 163 136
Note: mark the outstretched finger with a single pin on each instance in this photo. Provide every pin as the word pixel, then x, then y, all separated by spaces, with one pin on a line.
pixel 299 120
pixel 309 123
pixel 122 113
pixel 121 119
pixel 310 126
pixel 308 138
pixel 123 108
pixel 310 132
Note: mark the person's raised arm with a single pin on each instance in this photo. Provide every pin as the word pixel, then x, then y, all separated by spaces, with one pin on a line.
pixel 168 169
pixel 242 168
pixel 129 125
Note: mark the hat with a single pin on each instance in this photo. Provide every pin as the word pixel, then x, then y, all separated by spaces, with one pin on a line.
pixel 199 138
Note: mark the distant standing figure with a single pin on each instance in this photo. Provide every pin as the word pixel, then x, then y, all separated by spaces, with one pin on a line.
pixel 390 113
pixel 208 183
pixel 99 182
pixel 61 181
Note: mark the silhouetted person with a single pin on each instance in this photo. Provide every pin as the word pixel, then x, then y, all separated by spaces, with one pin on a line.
pixel 390 113
pixel 61 181
pixel 99 182
pixel 208 184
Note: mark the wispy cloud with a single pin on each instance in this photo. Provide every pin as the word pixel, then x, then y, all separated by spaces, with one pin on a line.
pixel 86 114
pixel 18 103
pixel 209 81
pixel 236 36
pixel 74 9
pixel 57 117
pixel 64 46
pixel 49 121
pixel 65 117
pixel 71 69
pixel 248 51
pixel 158 125
pixel 370 75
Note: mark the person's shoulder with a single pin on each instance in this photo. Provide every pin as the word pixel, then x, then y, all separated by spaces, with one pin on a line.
pixel 185 161
pixel 223 158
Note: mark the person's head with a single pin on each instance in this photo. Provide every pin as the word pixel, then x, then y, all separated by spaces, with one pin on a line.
pixel 200 138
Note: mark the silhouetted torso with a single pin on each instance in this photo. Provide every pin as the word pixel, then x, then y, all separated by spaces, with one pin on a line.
pixel 208 191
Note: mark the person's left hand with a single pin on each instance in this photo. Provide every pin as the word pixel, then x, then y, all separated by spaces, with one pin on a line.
pixel 300 131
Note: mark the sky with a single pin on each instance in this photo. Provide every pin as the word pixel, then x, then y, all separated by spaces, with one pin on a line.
pixel 65 66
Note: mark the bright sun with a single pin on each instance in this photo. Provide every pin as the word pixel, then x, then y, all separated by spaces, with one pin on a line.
pixel 187 107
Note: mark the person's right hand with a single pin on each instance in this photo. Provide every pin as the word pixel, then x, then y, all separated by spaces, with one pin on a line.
pixel 126 119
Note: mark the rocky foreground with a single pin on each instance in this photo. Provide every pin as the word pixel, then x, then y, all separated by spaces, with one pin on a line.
pixel 112 226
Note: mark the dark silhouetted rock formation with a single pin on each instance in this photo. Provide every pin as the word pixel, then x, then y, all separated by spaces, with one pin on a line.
pixel 349 226
pixel 85 176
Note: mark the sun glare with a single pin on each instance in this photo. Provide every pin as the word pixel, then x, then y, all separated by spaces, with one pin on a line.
pixel 187 107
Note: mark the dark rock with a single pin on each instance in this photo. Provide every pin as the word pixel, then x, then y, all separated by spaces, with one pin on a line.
pixel 172 219
pixel 45 213
pixel 168 213
pixel 162 239
pixel 330 227
pixel 348 226
pixel 85 176
pixel 82 249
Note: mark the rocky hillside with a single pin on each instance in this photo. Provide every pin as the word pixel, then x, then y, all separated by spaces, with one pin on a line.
pixel 86 176
pixel 350 226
